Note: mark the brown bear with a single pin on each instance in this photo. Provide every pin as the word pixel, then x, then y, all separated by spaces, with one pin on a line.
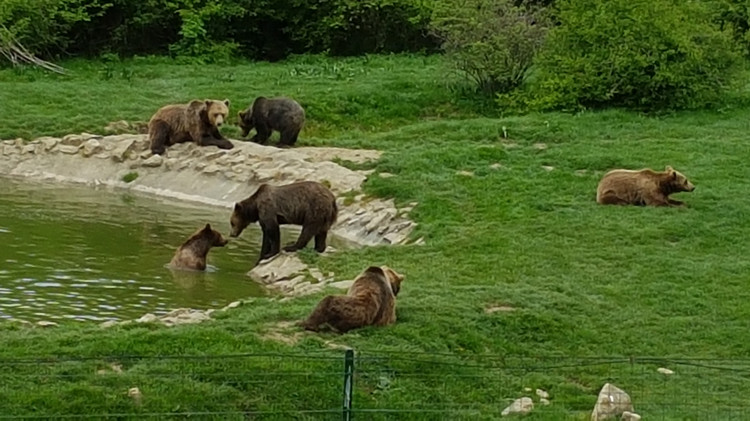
pixel 642 188
pixel 284 115
pixel 371 300
pixel 198 122
pixel 192 253
pixel 306 203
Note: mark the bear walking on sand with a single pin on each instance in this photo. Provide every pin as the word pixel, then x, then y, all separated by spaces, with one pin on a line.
pixel 642 188
pixel 267 114
pixel 305 203
pixel 371 300
pixel 198 122
pixel 192 253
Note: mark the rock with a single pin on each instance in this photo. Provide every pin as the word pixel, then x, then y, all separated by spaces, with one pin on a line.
pixel 611 402
pixel 91 146
pixel 211 169
pixel 147 318
pixel 519 406
pixel 283 266
pixel 542 394
pixel 548 168
pixel 73 140
pixel 386 175
pixel 316 273
pixel 153 162
pixel 233 304
pixel 395 238
pixel 183 316
pixel 342 284
pixel 9 150
pixel 665 371
pixel 540 146
pixel 630 416
pixel 108 323
pixel 465 173
pixel 544 401
pixel 45 323
pixel 28 149
pixel 496 166
pixel 136 394
pixel 48 142
pixel 146 154
pixel 68 149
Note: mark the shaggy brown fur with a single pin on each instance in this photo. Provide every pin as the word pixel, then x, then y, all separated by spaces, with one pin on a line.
pixel 267 114
pixel 192 253
pixel 371 300
pixel 642 188
pixel 305 203
pixel 198 122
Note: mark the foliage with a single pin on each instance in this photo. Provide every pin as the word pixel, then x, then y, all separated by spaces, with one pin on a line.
pixel 217 30
pixel 42 26
pixel 493 42
pixel 647 54
pixel 734 15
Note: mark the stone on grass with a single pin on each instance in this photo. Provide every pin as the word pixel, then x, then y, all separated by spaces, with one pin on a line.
pixel 519 406
pixel 611 403
pixel 665 371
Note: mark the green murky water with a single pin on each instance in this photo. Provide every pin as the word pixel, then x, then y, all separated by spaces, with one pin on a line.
pixel 75 252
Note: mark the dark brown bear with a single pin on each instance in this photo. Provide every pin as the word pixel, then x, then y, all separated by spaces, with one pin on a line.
pixel 198 122
pixel 267 114
pixel 371 300
pixel 642 188
pixel 305 203
pixel 192 253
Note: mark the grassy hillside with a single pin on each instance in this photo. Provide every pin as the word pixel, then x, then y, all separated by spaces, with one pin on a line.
pixel 524 280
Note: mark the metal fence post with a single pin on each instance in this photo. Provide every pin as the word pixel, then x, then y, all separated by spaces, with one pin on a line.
pixel 348 384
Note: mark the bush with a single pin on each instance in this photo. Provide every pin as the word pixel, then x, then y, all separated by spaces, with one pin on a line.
pixel 493 42
pixel 646 54
pixel 734 15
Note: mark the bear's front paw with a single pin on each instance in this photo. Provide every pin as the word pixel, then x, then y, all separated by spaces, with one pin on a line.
pixel 290 247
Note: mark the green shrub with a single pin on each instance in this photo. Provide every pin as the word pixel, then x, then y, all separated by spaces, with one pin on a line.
pixel 646 54
pixel 493 42
pixel 734 15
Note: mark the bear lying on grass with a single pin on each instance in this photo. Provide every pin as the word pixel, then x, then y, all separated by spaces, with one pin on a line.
pixel 305 203
pixel 371 300
pixel 267 114
pixel 192 253
pixel 642 188
pixel 198 122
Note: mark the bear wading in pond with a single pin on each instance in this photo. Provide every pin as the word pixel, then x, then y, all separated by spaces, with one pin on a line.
pixel 371 300
pixel 284 115
pixel 198 122
pixel 305 203
pixel 642 188
pixel 192 253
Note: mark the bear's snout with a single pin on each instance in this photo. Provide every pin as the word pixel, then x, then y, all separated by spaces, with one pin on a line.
pixel 690 186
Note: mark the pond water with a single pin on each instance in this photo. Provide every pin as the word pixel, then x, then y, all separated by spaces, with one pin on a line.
pixel 84 253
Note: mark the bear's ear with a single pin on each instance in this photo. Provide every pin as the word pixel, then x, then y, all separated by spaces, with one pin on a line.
pixel 241 114
pixel 226 102
pixel 238 207
pixel 670 169
pixel 208 103
pixel 208 227
pixel 196 105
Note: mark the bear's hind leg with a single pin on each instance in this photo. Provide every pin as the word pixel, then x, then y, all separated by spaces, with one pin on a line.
pixel 304 237
pixel 320 241
pixel 319 315
pixel 288 138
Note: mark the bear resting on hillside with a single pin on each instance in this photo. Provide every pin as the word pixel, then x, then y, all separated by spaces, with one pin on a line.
pixel 198 122
pixel 371 300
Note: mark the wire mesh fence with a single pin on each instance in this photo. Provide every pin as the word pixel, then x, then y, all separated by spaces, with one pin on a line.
pixel 365 386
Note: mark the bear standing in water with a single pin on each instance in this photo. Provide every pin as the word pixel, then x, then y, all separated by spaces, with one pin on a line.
pixel 267 114
pixel 371 300
pixel 192 253
pixel 198 122
pixel 643 188
pixel 305 203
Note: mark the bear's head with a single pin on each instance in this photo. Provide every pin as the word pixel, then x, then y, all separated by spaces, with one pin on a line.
pixel 394 278
pixel 243 215
pixel 678 182
pixel 213 237
pixel 247 122
pixel 211 112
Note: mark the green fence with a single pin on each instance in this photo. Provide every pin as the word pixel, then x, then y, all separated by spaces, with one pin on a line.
pixel 347 385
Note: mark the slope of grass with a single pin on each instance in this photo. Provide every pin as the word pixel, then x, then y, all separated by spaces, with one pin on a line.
pixel 506 207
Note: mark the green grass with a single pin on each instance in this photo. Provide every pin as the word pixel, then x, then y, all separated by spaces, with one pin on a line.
pixel 585 280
